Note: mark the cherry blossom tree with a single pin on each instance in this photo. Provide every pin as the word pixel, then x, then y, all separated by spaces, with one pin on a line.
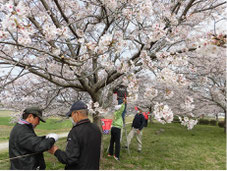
pixel 164 101
pixel 208 73
pixel 92 46
pixel 202 93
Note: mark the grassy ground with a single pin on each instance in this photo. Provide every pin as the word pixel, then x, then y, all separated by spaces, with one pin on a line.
pixel 4 113
pixel 176 148
pixel 203 148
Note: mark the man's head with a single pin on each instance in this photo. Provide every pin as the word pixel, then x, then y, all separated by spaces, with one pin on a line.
pixel 140 110
pixel 33 115
pixel 122 86
pixel 78 111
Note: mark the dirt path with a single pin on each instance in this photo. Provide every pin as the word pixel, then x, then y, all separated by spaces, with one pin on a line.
pixel 5 145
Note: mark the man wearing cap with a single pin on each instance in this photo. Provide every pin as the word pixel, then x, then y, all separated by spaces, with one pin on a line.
pixel 25 147
pixel 83 142
pixel 137 126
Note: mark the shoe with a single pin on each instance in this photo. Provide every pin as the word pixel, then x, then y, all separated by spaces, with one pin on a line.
pixel 116 158
pixel 109 155
pixel 139 151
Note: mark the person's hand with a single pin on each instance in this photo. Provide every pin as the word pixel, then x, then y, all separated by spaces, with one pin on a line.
pixel 138 131
pixel 53 149
pixel 124 100
pixel 52 135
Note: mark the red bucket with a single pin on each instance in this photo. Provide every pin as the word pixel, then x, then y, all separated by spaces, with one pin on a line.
pixel 106 125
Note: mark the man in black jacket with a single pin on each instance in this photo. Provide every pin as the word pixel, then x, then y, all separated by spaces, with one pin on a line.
pixel 25 147
pixel 83 142
pixel 137 126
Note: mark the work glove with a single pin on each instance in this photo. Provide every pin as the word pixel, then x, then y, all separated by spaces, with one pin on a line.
pixel 117 107
pixel 52 135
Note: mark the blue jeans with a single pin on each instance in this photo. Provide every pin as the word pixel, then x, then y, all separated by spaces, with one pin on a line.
pixel 120 101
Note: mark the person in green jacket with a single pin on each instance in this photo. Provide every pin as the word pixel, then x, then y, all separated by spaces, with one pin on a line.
pixel 116 131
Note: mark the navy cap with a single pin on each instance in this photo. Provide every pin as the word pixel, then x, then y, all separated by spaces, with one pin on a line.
pixel 79 105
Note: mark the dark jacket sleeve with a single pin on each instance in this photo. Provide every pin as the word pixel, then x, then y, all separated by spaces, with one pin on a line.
pixel 71 155
pixel 133 122
pixel 33 143
pixel 142 122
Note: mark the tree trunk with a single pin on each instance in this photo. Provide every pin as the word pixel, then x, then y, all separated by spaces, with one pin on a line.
pixel 97 121
pixel 225 123
pixel 97 118
pixel 217 117
pixel 151 111
pixel 150 116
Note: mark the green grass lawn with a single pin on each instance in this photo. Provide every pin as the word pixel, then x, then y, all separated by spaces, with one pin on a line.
pixel 4 113
pixel 203 148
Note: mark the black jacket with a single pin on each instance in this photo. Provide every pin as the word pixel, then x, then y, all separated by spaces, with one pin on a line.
pixel 83 147
pixel 22 141
pixel 121 92
pixel 138 121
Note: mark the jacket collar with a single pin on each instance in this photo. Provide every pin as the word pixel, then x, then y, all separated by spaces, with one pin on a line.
pixel 22 122
pixel 82 122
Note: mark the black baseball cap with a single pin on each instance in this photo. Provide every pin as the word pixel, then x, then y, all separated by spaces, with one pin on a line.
pixel 35 111
pixel 78 105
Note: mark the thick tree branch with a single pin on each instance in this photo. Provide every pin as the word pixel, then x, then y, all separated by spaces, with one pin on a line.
pixel 66 19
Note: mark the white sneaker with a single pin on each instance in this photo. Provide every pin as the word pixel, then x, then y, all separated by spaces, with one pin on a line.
pixel 116 158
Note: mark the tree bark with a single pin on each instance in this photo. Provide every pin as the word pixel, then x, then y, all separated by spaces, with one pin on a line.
pixel 225 123
pixel 97 118
pixel 150 116
pixel 216 117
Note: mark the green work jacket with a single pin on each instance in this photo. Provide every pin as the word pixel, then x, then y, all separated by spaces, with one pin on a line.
pixel 118 121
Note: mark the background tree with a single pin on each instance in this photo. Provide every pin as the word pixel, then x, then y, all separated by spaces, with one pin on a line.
pixel 208 74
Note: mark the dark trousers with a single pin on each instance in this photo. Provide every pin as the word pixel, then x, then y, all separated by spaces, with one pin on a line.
pixel 115 138
pixel 120 101
pixel 145 124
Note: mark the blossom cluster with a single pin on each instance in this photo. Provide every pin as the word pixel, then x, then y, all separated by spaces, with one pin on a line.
pixel 163 113
pixel 168 93
pixel 150 92
pixel 189 103
pixel 15 21
pixel 133 87
pixel 95 107
pixel 189 123
pixel 170 77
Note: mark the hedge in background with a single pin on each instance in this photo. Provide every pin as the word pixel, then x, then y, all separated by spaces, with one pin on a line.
pixel 221 124
pixel 213 122
pixel 204 121
pixel 176 119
